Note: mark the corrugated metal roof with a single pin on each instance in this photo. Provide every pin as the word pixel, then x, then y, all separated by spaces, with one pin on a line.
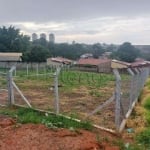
pixel 60 59
pixel 10 56
pixel 92 61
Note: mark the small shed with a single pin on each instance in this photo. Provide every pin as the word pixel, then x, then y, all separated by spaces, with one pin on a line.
pixel 95 65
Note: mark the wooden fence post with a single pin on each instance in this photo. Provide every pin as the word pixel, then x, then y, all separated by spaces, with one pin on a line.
pixel 117 99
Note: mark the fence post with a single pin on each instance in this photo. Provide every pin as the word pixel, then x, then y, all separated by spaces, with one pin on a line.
pixel 10 86
pixel 57 108
pixel 117 99
pixel 27 70
pixel 37 69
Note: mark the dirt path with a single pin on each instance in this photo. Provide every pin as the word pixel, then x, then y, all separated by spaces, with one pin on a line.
pixel 14 136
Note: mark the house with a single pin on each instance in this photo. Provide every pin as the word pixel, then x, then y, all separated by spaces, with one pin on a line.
pixel 58 61
pixel 95 65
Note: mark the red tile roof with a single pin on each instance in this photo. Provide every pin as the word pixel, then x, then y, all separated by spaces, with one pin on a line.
pixel 140 63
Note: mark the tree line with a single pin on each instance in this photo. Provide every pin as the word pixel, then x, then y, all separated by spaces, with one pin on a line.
pixel 11 40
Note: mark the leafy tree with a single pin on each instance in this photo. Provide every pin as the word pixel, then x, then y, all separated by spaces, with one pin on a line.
pixel 12 41
pixel 37 53
pixel 127 52
pixel 97 50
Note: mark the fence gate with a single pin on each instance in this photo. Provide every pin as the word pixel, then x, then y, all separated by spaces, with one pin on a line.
pixel 3 89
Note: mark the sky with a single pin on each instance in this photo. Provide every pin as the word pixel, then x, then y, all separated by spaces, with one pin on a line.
pixel 83 21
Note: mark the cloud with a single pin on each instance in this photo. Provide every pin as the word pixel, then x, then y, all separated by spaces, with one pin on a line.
pixel 86 21
pixel 101 29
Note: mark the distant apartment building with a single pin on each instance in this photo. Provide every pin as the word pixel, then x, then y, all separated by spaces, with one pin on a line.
pixel 34 36
pixel 43 35
pixel 51 38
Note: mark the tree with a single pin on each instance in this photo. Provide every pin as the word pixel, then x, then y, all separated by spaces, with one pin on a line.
pixel 12 41
pixel 37 53
pixel 97 50
pixel 127 52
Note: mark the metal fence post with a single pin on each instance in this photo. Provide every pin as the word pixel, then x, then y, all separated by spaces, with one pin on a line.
pixel 117 99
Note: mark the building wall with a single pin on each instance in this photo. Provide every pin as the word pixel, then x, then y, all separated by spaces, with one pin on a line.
pixel 34 36
pixel 52 38
pixel 43 35
pixel 105 67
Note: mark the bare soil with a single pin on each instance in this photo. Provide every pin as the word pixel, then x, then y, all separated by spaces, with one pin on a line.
pixel 15 136
pixel 77 101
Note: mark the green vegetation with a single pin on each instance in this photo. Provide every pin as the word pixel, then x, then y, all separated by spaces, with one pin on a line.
pixel 26 115
pixel 147 104
pixel 67 79
pixel 144 138
pixel 85 78
pixel 126 52
pixel 147 113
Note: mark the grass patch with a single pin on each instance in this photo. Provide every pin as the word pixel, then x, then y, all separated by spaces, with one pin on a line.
pixel 147 104
pixel 148 84
pixel 143 138
pixel 26 115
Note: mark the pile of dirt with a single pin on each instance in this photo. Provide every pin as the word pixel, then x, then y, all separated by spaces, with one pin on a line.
pixel 15 136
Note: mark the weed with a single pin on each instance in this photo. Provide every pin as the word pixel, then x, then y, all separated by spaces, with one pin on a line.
pixel 143 138
pixel 95 93
pixel 120 144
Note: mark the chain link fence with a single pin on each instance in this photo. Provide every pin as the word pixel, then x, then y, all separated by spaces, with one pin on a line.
pixel 129 83
pixel 3 89
pixel 104 99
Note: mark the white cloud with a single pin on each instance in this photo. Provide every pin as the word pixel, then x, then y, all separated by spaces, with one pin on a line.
pixel 103 29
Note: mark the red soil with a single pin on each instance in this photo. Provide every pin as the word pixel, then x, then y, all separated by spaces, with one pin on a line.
pixel 15 136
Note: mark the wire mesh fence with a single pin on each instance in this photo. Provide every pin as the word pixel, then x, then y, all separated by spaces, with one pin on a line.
pixel 129 84
pixel 82 92
pixel 3 89
pixel 103 99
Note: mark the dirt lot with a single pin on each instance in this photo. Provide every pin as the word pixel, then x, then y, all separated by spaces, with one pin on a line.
pixel 15 136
